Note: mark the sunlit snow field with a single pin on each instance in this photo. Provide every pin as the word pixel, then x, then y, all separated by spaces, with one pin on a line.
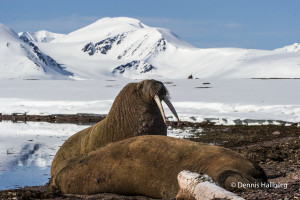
pixel 195 100
pixel 27 149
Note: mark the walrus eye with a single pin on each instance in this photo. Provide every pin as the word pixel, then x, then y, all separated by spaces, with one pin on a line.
pixel 140 87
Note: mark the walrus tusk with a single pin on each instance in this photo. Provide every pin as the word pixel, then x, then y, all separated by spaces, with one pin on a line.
pixel 169 104
pixel 157 100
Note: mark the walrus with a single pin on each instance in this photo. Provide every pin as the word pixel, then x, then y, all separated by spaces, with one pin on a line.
pixel 148 165
pixel 137 110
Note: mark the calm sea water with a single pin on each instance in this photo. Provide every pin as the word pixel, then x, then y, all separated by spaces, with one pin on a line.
pixel 27 150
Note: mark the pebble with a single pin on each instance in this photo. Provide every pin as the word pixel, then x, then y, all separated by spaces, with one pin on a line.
pixel 276 133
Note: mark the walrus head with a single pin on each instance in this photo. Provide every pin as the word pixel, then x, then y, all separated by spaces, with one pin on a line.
pixel 137 110
pixel 153 91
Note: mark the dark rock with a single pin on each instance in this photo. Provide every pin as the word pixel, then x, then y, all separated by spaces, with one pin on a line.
pixel 139 66
pixel 104 45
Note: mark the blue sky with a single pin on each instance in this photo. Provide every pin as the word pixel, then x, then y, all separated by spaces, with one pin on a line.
pixel 258 24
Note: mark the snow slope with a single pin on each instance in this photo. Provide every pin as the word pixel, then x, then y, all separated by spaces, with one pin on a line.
pixel 290 48
pixel 24 60
pixel 40 36
pixel 101 48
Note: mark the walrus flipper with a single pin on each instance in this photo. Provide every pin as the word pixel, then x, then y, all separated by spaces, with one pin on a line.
pixel 234 181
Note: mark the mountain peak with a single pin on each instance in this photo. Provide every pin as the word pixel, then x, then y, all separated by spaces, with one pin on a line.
pixel 23 59
pixel 103 28
pixel 290 48
pixel 110 28
pixel 40 36
pixel 120 20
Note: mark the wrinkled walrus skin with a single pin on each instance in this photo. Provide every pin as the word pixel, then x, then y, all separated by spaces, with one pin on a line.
pixel 148 165
pixel 134 112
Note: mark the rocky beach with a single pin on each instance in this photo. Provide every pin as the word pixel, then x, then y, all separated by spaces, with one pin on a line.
pixel 274 147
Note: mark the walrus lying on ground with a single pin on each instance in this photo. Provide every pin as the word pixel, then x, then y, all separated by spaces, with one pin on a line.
pixel 137 110
pixel 148 165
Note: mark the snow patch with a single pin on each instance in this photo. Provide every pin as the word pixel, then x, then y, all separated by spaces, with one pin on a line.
pixel 40 36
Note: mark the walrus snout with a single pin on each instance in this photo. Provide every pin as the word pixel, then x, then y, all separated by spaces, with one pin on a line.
pixel 162 94
pixel 155 90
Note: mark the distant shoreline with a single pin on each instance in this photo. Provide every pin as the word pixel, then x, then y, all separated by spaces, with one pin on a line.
pixel 79 118
pixel 90 119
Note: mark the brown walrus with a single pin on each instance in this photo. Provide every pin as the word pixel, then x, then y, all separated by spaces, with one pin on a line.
pixel 137 110
pixel 148 165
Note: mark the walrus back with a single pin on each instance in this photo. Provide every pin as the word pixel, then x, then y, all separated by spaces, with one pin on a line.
pixel 70 148
pixel 83 142
pixel 149 165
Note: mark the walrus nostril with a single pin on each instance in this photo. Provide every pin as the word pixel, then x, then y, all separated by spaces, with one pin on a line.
pixel 162 92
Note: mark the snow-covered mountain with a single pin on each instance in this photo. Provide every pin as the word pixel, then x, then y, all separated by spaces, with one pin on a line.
pixel 112 44
pixel 125 47
pixel 290 48
pixel 40 36
pixel 24 60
